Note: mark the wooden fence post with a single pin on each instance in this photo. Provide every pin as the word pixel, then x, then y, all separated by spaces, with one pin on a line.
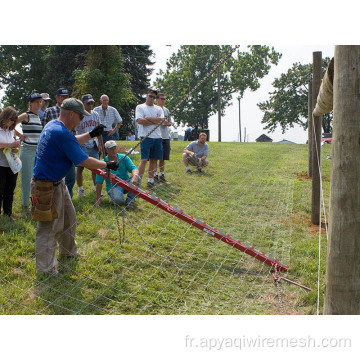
pixel 310 129
pixel 343 265
pixel 316 148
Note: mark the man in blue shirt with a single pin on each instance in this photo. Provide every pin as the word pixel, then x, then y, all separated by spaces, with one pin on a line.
pixel 57 151
pixel 52 113
pixel 126 166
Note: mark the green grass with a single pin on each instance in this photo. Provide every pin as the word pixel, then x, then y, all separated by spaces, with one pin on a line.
pixel 258 193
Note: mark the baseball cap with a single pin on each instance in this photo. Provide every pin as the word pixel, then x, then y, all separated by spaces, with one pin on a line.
pixel 74 105
pixel 62 92
pixel 45 96
pixel 34 96
pixel 110 144
pixel 87 98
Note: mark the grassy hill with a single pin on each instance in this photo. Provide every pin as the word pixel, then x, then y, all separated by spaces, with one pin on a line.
pixel 145 261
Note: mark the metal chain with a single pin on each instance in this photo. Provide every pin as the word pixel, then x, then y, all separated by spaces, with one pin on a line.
pixel 121 238
pixel 281 304
pixel 277 280
pixel 221 62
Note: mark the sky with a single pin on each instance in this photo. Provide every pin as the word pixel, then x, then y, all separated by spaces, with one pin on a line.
pixel 251 115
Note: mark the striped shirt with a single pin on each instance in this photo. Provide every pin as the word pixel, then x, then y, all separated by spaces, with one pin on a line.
pixel 51 113
pixel 111 116
pixel 31 129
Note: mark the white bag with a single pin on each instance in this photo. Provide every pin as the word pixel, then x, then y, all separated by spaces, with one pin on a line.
pixel 13 160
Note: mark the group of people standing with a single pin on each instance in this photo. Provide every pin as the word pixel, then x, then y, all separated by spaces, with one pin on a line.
pixel 71 133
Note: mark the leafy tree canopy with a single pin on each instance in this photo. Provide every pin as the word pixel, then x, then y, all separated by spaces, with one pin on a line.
pixel 120 71
pixel 191 64
pixel 21 72
pixel 137 65
pixel 288 103
pixel 104 73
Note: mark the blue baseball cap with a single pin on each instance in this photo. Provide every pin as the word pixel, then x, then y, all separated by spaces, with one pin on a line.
pixel 62 92
pixel 87 98
pixel 34 96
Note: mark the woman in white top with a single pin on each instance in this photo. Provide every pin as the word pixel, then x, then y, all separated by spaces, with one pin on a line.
pixel 31 130
pixel 8 119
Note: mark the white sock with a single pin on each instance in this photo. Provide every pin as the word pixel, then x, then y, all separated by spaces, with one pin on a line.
pixel 187 168
pixel 81 188
pixel 151 181
pixel 162 174
pixel 155 174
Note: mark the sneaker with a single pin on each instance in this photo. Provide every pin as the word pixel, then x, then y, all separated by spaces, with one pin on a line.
pixel 188 171
pixel 81 192
pixel 162 179
pixel 156 178
pixel 199 169
pixel 150 186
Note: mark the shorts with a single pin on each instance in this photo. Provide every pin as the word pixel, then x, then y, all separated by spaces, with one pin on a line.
pixel 151 149
pixel 166 149
pixel 93 152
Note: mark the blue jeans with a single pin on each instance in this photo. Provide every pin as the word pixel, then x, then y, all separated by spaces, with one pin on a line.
pixel 116 135
pixel 116 194
pixel 106 137
pixel 70 180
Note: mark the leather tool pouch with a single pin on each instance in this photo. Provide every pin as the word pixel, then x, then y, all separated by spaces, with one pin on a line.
pixel 43 207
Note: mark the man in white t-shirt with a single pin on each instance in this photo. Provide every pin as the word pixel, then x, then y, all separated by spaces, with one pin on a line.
pixel 148 116
pixel 165 134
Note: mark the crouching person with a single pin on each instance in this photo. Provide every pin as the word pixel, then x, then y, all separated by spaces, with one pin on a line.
pixel 126 166
pixel 58 149
pixel 196 154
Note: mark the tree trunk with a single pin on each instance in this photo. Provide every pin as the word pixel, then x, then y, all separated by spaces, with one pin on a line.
pixel 316 149
pixel 343 265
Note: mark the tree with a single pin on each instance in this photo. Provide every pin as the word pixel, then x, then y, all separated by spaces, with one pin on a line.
pixel 61 63
pixel 137 65
pixel 288 103
pixel 192 63
pixel 104 73
pixel 26 68
pixel 22 70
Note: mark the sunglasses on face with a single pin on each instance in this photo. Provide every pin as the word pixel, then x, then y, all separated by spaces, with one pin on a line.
pixel 152 96
pixel 81 116
pixel 162 99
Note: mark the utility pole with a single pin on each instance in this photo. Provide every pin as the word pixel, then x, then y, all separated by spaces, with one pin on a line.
pixel 316 150
pixel 219 96
pixel 239 98
pixel 342 292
